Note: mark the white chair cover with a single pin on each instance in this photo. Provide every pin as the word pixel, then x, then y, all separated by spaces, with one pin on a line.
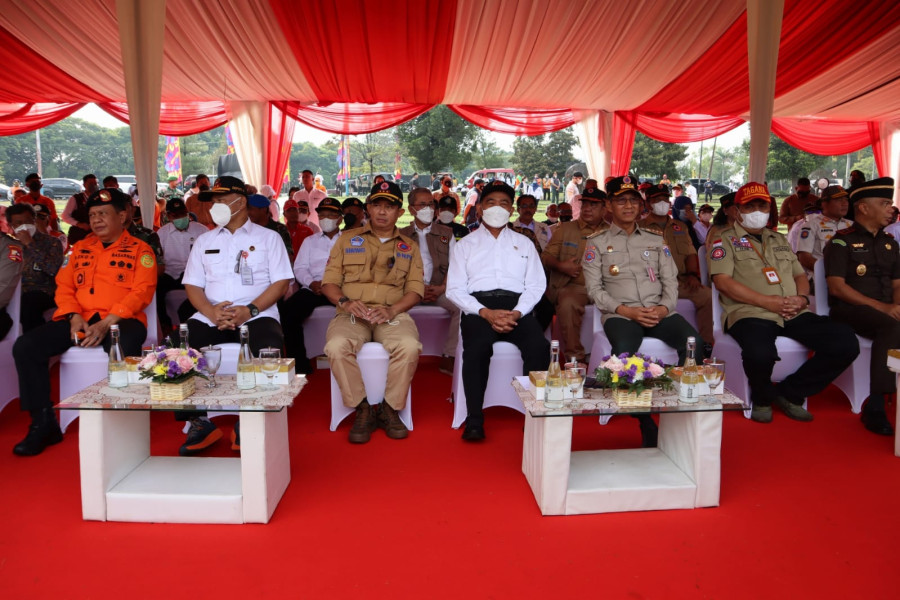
pixel 373 363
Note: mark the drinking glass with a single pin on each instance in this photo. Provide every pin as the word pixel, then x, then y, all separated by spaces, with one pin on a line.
pixel 268 364
pixel 574 379
pixel 713 372
pixel 213 356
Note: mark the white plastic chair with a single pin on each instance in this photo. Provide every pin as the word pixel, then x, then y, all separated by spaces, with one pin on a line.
pixel 8 374
pixel 174 300
pixel 506 363
pixel 792 355
pixel 433 323
pixel 373 362
pixel 854 381
pixel 650 346
pixel 81 367
pixel 314 329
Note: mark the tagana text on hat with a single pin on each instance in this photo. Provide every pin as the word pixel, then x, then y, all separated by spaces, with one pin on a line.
pixel 751 191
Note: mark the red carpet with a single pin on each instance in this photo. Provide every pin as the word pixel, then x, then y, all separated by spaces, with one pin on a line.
pixel 807 511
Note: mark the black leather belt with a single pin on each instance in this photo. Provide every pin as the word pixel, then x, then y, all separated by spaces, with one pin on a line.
pixel 496 294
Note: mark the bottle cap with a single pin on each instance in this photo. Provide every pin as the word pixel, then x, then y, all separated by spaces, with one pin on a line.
pixel 691 340
pixel 113 327
pixel 554 344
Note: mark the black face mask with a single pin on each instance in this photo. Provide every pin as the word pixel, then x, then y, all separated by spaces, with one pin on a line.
pixel 34 186
pixel 204 188
pixel 349 220
pixel 565 218
pixel 802 193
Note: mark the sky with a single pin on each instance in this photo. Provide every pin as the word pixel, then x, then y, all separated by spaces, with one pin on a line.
pixel 303 133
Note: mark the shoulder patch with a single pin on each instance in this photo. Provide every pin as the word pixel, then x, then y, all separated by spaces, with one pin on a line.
pixel 147 259
pixel 402 246
pixel 14 253
pixel 838 242
pixel 652 230
pixel 590 255
pixel 804 233
pixel 849 229
pixel 718 253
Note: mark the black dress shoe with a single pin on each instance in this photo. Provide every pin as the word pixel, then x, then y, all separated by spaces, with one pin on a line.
pixel 44 431
pixel 649 431
pixel 473 433
pixel 876 422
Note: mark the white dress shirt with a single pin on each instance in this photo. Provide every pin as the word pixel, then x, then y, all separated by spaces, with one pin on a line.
pixel 479 262
pixel 216 254
pixel 310 263
pixel 572 195
pixel 312 197
pixel 177 244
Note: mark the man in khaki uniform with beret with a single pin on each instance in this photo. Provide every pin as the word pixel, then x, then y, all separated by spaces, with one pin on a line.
pixel 632 279
pixel 562 257
pixel 678 239
pixel 764 294
pixel 374 276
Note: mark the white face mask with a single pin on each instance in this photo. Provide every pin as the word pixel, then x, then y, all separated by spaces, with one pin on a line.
pixel 27 227
pixel 303 218
pixel 755 220
pixel 660 209
pixel 328 225
pixel 425 215
pixel 221 213
pixel 446 217
pixel 496 216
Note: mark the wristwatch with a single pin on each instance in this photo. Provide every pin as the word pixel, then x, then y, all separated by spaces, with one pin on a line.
pixel 254 312
pixel 342 299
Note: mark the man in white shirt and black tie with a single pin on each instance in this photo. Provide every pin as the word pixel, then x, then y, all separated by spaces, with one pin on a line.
pixel 234 276
pixel 309 267
pixel 495 278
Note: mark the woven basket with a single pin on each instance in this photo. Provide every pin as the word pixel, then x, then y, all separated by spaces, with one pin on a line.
pixel 171 392
pixel 625 398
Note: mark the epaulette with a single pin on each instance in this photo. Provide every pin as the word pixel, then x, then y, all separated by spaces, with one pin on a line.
pixel 651 229
pixel 603 229
pixel 846 230
pixel 8 236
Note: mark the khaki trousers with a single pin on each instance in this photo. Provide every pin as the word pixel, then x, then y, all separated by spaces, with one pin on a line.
pixel 344 338
pixel 702 300
pixel 571 301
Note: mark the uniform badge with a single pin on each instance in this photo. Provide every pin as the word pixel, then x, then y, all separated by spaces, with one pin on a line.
pixel 839 242
pixel 402 246
pixel 666 251
pixel 646 254
pixel 252 248
pixel 147 260
pixel 887 246
pixel 860 270
pixel 676 227
pixel 718 253
pixel 804 233
pixel 589 256
pixel 614 270
pixel 356 241
pixel 14 253
pixel 445 239
pixel 79 279
pixel 609 248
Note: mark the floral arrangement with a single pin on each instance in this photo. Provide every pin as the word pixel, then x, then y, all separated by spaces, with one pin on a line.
pixel 633 372
pixel 172 365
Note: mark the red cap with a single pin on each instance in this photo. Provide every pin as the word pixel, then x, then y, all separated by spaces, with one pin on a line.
pixel 752 191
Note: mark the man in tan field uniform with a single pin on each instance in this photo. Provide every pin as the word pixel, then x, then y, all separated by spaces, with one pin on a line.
pixel 685 256
pixel 562 257
pixel 374 276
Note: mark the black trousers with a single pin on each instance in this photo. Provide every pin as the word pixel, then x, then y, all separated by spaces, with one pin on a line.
pixel 543 312
pixel 294 311
pixel 478 339
pixel 165 284
pixel 834 345
pixel 34 304
pixel 884 331
pixel 626 335
pixel 33 350
pixel 265 332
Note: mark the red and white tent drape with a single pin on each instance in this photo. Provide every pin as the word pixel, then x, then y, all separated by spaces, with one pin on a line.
pixel 826 80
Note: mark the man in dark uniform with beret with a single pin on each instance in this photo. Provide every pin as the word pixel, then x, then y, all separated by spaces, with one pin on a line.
pixel 107 278
pixel 862 266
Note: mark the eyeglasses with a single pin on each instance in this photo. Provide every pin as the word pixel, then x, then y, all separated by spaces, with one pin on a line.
pixel 626 201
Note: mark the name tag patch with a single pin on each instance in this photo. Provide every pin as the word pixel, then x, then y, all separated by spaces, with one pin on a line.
pixel 741 244
pixel 404 255
pixel 353 250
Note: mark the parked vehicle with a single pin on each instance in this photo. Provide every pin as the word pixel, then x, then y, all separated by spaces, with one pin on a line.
pixel 717 190
pixel 508 175
pixel 364 182
pixel 61 188
pixel 5 192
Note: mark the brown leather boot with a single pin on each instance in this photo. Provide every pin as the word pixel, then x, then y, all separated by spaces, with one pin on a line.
pixel 363 425
pixel 389 420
